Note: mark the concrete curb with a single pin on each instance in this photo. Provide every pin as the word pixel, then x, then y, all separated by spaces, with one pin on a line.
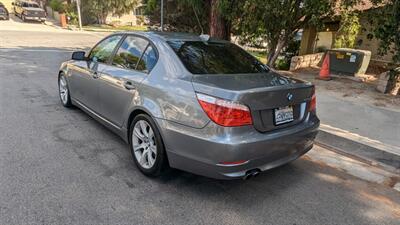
pixel 363 149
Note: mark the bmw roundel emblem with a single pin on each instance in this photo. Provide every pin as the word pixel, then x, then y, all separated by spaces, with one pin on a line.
pixel 289 97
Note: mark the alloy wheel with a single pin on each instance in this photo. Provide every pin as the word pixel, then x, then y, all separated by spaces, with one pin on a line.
pixel 144 144
pixel 63 89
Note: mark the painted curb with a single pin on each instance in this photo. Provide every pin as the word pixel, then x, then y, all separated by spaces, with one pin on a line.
pixel 367 152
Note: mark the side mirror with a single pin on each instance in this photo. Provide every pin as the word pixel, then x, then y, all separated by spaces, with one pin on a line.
pixel 79 55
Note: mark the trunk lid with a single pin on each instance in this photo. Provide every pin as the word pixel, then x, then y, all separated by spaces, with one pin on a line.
pixel 262 93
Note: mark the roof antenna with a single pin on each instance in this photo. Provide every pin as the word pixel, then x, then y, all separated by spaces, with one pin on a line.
pixel 198 21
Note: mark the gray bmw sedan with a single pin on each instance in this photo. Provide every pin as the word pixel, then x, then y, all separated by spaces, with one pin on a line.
pixel 201 105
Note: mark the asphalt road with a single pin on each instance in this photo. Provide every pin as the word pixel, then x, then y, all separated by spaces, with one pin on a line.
pixel 59 166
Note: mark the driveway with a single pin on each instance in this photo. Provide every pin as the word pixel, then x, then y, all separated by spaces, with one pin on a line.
pixel 15 23
pixel 59 166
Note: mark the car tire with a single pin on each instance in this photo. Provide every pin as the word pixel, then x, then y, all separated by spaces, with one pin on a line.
pixel 141 140
pixel 63 91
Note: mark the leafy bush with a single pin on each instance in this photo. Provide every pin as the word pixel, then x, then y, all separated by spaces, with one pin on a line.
pixel 72 15
pixel 348 30
pixel 57 6
pixel 283 61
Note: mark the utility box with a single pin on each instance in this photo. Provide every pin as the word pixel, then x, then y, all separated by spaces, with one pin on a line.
pixel 349 62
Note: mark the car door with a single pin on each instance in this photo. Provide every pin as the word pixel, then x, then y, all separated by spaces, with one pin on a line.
pixel 84 80
pixel 120 80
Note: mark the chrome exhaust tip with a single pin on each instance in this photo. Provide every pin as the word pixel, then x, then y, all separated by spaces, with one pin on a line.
pixel 251 173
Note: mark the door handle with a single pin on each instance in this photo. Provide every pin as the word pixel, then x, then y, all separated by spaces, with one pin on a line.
pixel 129 86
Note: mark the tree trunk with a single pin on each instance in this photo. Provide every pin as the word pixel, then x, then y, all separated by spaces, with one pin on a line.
pixel 219 26
pixel 274 52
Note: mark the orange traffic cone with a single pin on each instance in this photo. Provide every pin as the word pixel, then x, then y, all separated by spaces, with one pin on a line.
pixel 324 72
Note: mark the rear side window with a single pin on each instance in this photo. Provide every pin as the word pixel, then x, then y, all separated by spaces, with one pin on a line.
pixel 128 55
pixel 32 5
pixel 103 51
pixel 148 61
pixel 216 58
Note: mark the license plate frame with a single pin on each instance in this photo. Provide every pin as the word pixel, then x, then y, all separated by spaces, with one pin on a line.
pixel 283 115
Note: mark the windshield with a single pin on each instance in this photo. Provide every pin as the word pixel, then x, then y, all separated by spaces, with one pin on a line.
pixel 31 5
pixel 216 58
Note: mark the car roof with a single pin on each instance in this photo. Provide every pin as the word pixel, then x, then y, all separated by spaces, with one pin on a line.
pixel 29 1
pixel 172 36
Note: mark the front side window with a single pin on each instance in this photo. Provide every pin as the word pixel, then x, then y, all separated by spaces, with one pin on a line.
pixel 128 55
pixel 103 51
pixel 216 58
pixel 148 61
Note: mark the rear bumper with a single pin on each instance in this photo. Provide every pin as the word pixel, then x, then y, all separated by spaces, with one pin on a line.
pixel 201 151
pixel 38 18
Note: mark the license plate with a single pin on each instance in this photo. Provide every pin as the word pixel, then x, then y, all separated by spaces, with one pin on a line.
pixel 283 115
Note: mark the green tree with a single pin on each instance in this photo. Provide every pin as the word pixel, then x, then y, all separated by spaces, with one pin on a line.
pixel 277 22
pixel 181 15
pixel 387 28
pixel 99 9
pixel 348 30
pixel 56 5
pixel 195 15
pixel 220 14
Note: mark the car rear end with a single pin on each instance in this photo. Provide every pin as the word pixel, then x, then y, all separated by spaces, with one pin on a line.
pixel 265 128
pixel 36 14
pixel 258 119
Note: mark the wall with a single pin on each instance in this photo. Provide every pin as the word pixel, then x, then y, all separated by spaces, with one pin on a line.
pixel 56 16
pixel 50 12
pixel 304 61
pixel 8 5
pixel 127 19
pixel 324 40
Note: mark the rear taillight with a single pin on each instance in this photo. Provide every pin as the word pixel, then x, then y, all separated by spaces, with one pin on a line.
pixel 223 112
pixel 313 102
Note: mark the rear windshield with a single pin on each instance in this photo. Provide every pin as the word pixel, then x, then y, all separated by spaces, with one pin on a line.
pixel 32 5
pixel 216 58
